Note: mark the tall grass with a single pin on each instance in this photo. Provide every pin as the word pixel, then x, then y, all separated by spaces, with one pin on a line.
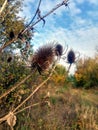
pixel 67 111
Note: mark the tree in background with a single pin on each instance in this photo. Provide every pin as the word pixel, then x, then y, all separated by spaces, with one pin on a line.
pixel 11 27
pixel 86 75
pixel 60 75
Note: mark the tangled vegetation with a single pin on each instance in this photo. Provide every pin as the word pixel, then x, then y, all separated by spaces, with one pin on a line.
pixel 86 75
pixel 36 93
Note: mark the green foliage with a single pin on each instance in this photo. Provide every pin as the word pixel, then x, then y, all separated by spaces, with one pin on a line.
pixel 11 23
pixel 9 20
pixel 86 75
pixel 60 75
pixel 11 73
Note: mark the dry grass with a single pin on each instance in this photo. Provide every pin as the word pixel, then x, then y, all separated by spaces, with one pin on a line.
pixel 69 110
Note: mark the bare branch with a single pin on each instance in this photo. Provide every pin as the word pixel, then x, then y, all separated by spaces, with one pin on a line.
pixel 39 86
pixel 51 11
pixel 69 68
pixel 3 7
pixel 34 14
pixel 39 15
pixel 31 106
pixel 64 2
pixel 15 86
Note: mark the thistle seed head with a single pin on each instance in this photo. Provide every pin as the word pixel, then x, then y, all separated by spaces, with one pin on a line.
pixel 71 57
pixel 11 35
pixel 58 50
pixel 9 59
pixel 43 58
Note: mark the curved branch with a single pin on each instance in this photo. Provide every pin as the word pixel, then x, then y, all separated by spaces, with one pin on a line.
pixel 51 11
pixel 34 14
pixel 27 28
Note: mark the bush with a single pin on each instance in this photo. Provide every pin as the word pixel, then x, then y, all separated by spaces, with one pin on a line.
pixel 86 75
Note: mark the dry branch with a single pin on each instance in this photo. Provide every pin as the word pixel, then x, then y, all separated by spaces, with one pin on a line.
pixel 15 86
pixel 39 86
pixel 31 106
pixel 64 2
pixel 51 11
pixel 7 44
pixel 3 7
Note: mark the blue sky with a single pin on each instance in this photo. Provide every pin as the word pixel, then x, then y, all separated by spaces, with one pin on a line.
pixel 76 26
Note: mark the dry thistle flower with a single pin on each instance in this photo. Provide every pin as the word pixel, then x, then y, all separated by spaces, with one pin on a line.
pixel 71 57
pixel 43 58
pixel 11 35
pixel 58 50
pixel 9 59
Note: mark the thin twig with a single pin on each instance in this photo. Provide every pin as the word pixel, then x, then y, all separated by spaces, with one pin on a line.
pixel 39 86
pixel 69 68
pixel 12 112
pixel 12 128
pixel 15 86
pixel 5 117
pixel 29 107
pixel 51 11
pixel 27 28
pixel 7 44
pixel 34 14
pixel 3 7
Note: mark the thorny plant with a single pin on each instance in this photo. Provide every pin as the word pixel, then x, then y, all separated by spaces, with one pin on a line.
pixel 31 24
pixel 72 58
pixel 10 117
pixel 42 58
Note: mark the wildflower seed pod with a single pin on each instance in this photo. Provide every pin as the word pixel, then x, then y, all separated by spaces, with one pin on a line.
pixel 71 57
pixel 11 35
pixel 11 120
pixel 58 50
pixel 43 58
pixel 9 59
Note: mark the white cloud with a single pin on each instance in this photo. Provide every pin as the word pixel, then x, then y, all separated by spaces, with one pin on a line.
pixel 83 33
pixel 83 40
pixel 93 14
pixel 74 9
pixel 95 2
pixel 80 1
pixel 28 9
